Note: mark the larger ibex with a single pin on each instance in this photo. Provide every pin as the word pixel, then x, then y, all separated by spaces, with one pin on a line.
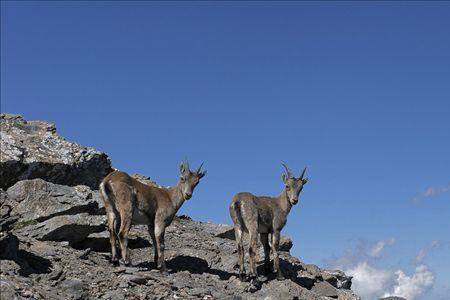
pixel 266 216
pixel 129 201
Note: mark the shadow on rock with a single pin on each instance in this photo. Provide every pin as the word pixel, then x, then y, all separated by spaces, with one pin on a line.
pixel 102 244
pixel 290 272
pixel 89 173
pixel 28 262
pixel 196 265
pixel 31 263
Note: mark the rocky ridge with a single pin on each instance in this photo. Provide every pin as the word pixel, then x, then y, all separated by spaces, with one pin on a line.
pixel 54 243
pixel 33 149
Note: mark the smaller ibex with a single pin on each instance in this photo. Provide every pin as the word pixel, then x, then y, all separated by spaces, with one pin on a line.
pixel 266 216
pixel 129 201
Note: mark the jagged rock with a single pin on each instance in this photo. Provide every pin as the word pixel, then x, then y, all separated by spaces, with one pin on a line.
pixel 8 291
pixel 5 205
pixel 325 289
pixel 145 179
pixel 9 267
pixel 7 218
pixel 74 287
pixel 113 295
pixel 337 278
pixel 133 278
pixel 27 261
pixel 344 294
pixel 40 200
pixel 33 149
pixel 71 228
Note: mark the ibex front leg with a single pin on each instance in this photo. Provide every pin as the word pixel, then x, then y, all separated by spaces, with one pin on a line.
pixel 151 231
pixel 276 259
pixel 159 235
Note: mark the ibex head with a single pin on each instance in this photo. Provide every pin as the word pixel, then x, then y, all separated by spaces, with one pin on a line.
pixel 189 179
pixel 293 186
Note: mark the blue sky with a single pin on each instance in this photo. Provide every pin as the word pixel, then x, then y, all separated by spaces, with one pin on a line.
pixel 358 92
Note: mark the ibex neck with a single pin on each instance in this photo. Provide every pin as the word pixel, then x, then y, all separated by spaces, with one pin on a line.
pixel 176 195
pixel 284 202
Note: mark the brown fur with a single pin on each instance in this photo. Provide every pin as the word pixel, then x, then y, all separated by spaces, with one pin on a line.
pixel 266 216
pixel 129 201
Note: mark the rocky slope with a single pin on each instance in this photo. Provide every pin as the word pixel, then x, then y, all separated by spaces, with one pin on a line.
pixel 54 243
pixel 33 149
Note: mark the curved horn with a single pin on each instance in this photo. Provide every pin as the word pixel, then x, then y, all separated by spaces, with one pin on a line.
pixel 199 169
pixel 303 173
pixel 288 170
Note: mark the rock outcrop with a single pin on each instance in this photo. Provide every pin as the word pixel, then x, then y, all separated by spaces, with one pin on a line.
pixel 54 245
pixel 33 149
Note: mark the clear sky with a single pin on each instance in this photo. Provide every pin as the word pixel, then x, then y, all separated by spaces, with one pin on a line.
pixel 358 92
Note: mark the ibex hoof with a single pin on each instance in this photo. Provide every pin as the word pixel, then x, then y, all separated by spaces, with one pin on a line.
pixel 164 271
pixel 125 262
pixel 255 285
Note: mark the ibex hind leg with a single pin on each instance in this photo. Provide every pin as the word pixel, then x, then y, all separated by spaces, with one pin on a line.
pixel 253 239
pixel 112 221
pixel 126 213
pixel 241 251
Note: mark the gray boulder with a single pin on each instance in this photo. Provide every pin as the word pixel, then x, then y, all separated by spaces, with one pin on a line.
pixel 337 278
pixel 40 200
pixel 33 149
pixel 71 228
pixel 7 217
pixel 323 288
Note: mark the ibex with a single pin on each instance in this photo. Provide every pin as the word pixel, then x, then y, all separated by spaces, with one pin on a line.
pixel 266 216
pixel 129 201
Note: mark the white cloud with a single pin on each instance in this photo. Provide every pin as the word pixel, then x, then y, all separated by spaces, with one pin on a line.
pixel 372 282
pixel 424 251
pixel 432 191
pixel 411 287
pixel 369 282
pixel 377 250
pixel 362 251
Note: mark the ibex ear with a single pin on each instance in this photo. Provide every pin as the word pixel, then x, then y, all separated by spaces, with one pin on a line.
pixel 183 167
pixel 305 180
pixel 202 174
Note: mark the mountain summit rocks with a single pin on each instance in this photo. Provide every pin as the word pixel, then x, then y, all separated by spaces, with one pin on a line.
pixel 54 243
pixel 33 149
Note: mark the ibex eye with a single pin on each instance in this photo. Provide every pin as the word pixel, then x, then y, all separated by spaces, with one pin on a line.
pixel 182 179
